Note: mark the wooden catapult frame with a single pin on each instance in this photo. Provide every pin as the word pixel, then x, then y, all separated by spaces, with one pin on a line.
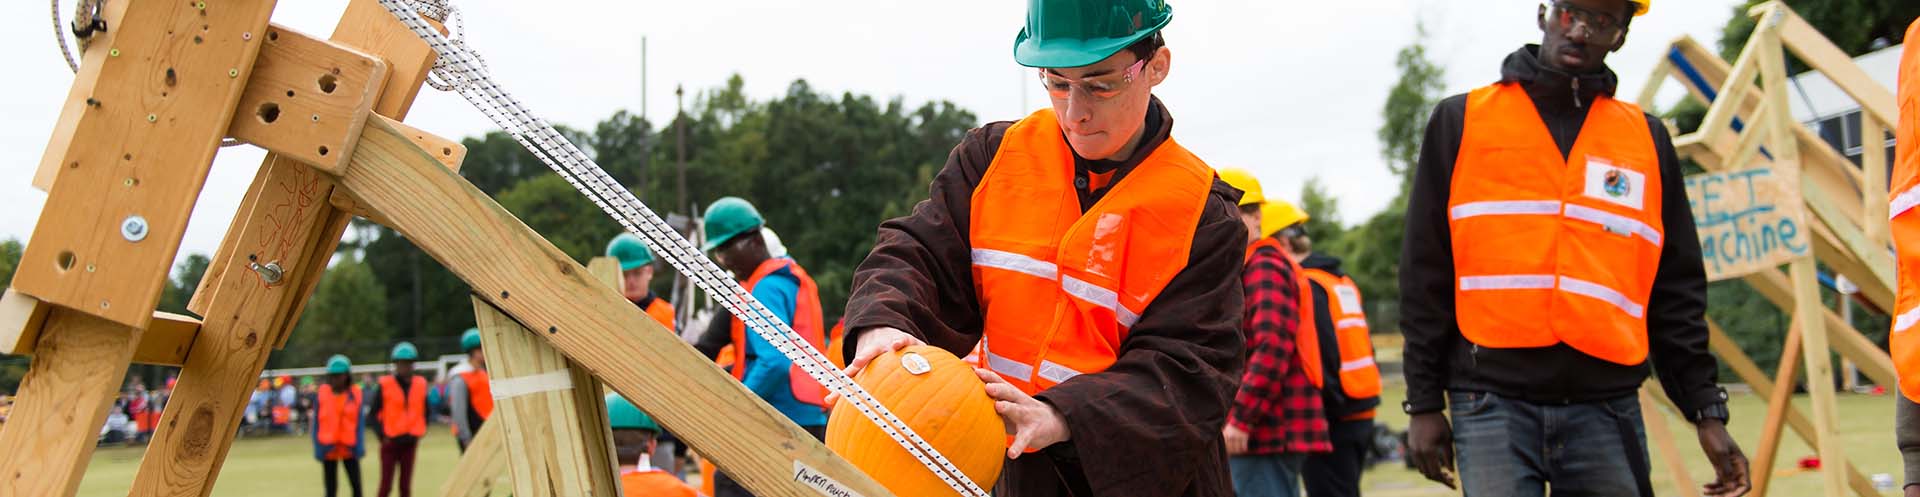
pixel 155 95
pixel 1749 124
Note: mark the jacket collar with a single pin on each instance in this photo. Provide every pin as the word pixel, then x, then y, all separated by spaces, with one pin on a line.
pixel 1553 90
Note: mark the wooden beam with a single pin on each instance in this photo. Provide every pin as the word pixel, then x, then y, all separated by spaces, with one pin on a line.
pixel 62 402
pixel 135 140
pixel 285 221
pixel 517 271
pixel 1662 437
pixel 1822 55
pixel 1876 258
pixel 1844 339
pixel 1778 401
pixel 1873 159
pixel 482 468
pixel 1655 80
pixel 449 152
pixel 308 98
pixel 165 342
pixel 1744 367
pixel 550 450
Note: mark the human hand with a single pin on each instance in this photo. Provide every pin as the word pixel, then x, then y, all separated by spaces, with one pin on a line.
pixel 872 343
pixel 1430 445
pixel 1033 424
pixel 1236 439
pixel 1729 464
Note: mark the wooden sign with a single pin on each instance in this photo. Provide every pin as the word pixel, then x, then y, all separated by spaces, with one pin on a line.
pixel 1749 220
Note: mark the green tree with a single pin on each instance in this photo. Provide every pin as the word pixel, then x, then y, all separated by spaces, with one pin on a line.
pixel 1323 214
pixel 10 251
pixel 1408 104
pixel 185 281
pixel 561 214
pixel 346 315
pixel 1856 26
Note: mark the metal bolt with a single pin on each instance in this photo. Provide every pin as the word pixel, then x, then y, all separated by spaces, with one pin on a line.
pixel 233 73
pixel 246 36
pixel 153 117
pixel 316 118
pixel 270 272
pixel 89 268
pixel 134 229
pixel 200 5
pixel 103 304
pixel 129 182
pixel 113 52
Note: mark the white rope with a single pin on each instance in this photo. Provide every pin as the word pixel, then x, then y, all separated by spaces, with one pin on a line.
pixel 461 70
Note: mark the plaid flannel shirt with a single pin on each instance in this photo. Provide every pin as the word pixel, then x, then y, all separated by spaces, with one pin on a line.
pixel 1277 405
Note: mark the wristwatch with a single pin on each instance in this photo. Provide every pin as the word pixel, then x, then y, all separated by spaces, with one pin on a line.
pixel 1714 410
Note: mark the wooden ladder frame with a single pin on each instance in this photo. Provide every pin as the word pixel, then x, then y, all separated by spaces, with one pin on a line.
pixel 154 97
pixel 1845 206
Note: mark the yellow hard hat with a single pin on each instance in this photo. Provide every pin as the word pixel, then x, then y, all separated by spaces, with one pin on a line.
pixel 1640 7
pixel 1278 215
pixel 1244 181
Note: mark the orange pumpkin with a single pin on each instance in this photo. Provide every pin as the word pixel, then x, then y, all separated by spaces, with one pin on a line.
pixel 938 396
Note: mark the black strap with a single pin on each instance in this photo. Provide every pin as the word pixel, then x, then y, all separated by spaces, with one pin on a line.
pixel 1636 454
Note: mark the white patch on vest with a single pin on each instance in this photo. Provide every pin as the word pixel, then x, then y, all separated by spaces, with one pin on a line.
pixel 1620 186
pixel 915 364
pixel 806 475
pixel 1349 298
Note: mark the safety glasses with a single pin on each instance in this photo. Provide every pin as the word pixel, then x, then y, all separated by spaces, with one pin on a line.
pixel 1099 87
pixel 1599 25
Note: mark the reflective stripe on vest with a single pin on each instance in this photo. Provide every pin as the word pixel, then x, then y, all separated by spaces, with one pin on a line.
pixel 1359 376
pixel 1060 288
pixel 403 415
pixel 808 321
pixel 1549 248
pixel 1904 343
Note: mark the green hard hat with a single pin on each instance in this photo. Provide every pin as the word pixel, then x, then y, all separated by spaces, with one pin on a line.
pixel 404 351
pixel 631 252
pixel 1075 33
pixel 470 340
pixel 622 415
pixel 728 218
pixel 338 364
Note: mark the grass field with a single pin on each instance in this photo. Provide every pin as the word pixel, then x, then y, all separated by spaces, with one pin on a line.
pixel 285 465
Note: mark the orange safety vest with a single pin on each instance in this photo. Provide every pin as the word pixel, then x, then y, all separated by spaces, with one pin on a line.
pixel 1306 336
pixel 808 321
pixel 403 415
pixel 655 483
pixel 1061 288
pixel 835 348
pixel 1359 375
pixel 1550 249
pixel 338 420
pixel 1906 223
pixel 661 312
pixel 479 392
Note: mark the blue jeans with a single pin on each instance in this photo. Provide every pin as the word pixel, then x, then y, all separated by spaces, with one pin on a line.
pixel 1508 447
pixel 1276 475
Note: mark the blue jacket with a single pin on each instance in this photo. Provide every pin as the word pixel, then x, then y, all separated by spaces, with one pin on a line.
pixel 768 370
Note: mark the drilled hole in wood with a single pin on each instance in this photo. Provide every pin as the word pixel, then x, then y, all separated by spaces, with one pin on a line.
pixel 289 93
pixel 323 150
pixel 327 83
pixel 273 36
pixel 446 151
pixel 171 78
pixel 268 112
pixel 64 261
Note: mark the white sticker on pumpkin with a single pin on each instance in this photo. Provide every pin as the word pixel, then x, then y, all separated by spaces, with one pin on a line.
pixel 1620 186
pixel 915 363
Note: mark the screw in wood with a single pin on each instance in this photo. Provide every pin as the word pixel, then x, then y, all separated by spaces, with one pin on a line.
pixel 113 52
pixel 233 73
pixel 153 117
pixel 246 36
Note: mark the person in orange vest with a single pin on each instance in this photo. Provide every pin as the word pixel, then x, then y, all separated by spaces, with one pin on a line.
pixel 336 426
pixel 1550 263
pixel 636 273
pixel 634 445
pixel 1277 421
pixel 1095 260
pixel 398 404
pixel 469 394
pixel 733 231
pixel 1905 195
pixel 1350 386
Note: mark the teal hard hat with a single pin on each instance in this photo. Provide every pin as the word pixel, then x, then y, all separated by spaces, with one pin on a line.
pixel 727 218
pixel 631 252
pixel 1075 33
pixel 338 364
pixel 470 340
pixel 622 415
pixel 404 351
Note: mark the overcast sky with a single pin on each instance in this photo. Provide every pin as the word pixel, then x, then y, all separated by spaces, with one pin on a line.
pixel 1289 89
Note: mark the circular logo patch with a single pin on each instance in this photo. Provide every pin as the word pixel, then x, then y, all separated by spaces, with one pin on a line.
pixel 1617 185
pixel 915 364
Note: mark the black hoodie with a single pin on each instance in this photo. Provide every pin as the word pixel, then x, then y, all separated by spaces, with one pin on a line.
pixel 1333 395
pixel 1438 358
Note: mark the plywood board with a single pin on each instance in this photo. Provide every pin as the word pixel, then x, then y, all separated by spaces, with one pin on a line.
pixel 1749 220
pixel 136 137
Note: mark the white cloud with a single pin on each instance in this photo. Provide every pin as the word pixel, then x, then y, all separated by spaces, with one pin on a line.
pixel 1288 89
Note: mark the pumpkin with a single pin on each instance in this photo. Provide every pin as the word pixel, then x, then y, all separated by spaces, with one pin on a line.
pixel 937 395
